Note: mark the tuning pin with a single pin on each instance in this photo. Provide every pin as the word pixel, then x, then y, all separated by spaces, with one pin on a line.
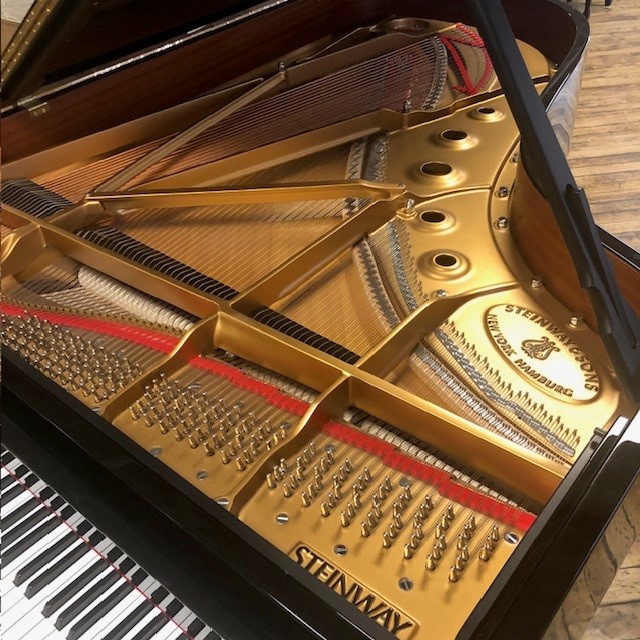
pixel 417 531
pixel 397 521
pixel 444 522
pixel 471 523
pixel 371 520
pixel 331 500
pixel 441 543
pixel 366 474
pixel 454 574
pixel 311 491
pixel 459 564
pixel 387 484
pixel 357 501
pixel 485 553
pixel 240 464
pixel 324 510
pixel 286 489
pixel 393 531
pixel 436 553
pixel 414 541
pixel 386 540
pixel 351 512
pixel 407 552
pixel 495 533
pixel 224 457
pixel 306 501
pixel 344 519
pixel 348 467
pixel 464 554
pixel 271 481
pixel 439 531
pixel 365 530
pixel 430 563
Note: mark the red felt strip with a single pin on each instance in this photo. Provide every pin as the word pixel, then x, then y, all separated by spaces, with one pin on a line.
pixel 146 337
pixel 164 343
pixel 443 481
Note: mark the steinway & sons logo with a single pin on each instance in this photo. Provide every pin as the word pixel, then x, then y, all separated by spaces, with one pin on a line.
pixel 542 352
pixel 343 584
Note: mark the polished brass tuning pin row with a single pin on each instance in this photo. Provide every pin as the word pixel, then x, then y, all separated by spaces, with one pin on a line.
pixel 81 364
pixel 489 545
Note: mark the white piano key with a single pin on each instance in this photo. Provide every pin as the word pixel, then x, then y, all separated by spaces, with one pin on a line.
pixel 25 496
pixel 11 593
pixel 32 624
pixel 188 620
pixel 203 634
pixel 159 608
pixel 22 617
pixel 122 609
pixel 9 467
pixel 174 625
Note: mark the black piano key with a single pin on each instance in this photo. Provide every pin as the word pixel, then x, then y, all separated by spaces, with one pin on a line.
pixel 159 621
pixel 29 480
pixel 130 621
pixel 7 481
pixel 91 595
pixel 105 605
pixel 212 635
pixel 195 627
pixel 77 584
pixel 7 456
pixel 50 553
pixel 20 512
pixel 28 523
pixel 17 549
pixel 60 565
pixel 12 493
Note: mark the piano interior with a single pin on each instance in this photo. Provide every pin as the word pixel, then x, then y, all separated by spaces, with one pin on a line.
pixel 309 304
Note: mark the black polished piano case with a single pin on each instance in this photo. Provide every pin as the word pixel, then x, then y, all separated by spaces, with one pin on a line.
pixel 77 79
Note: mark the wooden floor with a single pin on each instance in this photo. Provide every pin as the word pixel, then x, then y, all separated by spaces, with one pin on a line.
pixel 605 158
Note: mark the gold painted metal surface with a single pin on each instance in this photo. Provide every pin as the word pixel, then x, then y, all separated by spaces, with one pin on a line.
pixel 378 328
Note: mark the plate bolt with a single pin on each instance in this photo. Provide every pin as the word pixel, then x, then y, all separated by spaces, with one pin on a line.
pixel 406 584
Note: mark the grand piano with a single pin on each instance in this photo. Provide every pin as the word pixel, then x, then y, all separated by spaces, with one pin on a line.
pixel 307 329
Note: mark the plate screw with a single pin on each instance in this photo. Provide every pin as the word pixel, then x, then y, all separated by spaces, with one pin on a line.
pixel 502 223
pixel 340 549
pixel 155 451
pixel 282 518
pixel 202 474
pixel 511 537
pixel 406 584
pixel 536 283
pixel 502 192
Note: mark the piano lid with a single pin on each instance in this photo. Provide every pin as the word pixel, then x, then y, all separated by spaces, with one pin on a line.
pixel 60 43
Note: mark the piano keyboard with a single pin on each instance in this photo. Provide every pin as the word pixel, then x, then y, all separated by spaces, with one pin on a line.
pixel 62 578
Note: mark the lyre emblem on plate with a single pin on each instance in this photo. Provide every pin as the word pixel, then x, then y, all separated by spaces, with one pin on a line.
pixel 539 349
